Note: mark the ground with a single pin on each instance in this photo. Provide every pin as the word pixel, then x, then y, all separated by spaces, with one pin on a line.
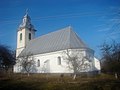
pixel 44 82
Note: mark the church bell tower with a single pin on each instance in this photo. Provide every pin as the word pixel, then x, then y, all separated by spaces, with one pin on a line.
pixel 25 33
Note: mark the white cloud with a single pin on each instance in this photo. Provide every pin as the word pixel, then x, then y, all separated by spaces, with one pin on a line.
pixel 113 36
pixel 114 33
pixel 104 30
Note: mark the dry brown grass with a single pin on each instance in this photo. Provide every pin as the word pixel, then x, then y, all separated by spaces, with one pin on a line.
pixel 46 82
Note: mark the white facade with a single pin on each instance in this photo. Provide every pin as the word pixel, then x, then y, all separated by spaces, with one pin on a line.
pixel 24 35
pixel 49 50
pixel 96 64
pixel 49 62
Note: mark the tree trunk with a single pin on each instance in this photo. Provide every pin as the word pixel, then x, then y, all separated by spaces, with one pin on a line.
pixel 116 75
pixel 28 74
pixel 74 76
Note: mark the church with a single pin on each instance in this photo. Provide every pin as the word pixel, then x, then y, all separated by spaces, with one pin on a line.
pixel 49 50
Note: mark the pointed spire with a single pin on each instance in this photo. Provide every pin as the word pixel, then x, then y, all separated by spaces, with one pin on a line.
pixel 27 11
pixel 26 23
pixel 26 15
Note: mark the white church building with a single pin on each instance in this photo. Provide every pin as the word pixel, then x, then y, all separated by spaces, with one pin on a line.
pixel 49 50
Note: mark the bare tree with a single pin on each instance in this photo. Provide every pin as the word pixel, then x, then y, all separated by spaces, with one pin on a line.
pixel 111 58
pixel 27 63
pixel 76 61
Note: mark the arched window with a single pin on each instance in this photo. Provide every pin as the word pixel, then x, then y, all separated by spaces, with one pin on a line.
pixel 38 63
pixel 29 36
pixel 20 36
pixel 59 60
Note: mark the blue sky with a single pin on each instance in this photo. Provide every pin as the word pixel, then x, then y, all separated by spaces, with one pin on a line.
pixel 93 20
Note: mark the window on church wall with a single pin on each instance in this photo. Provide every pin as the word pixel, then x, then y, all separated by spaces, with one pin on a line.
pixel 20 36
pixel 29 36
pixel 59 60
pixel 38 63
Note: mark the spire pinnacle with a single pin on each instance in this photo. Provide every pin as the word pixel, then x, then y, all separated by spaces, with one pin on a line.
pixel 26 11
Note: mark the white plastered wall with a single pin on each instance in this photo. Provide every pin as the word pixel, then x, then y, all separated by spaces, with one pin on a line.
pixel 49 63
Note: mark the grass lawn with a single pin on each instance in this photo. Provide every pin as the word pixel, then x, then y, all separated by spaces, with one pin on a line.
pixel 43 82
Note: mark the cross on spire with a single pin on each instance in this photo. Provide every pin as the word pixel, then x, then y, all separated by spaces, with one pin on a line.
pixel 27 11
pixel 26 23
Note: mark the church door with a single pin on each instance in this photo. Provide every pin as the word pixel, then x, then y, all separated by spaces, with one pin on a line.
pixel 47 66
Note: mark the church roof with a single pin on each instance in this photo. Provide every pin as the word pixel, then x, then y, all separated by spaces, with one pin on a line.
pixel 62 39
